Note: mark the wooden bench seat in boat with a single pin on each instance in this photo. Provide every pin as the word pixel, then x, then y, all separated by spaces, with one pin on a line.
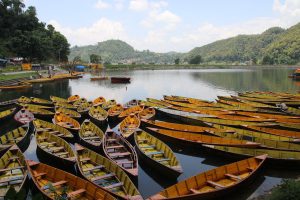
pixel 59 183
pixel 154 153
pixel 16 178
pixel 53 132
pixel 76 192
pixel 115 147
pixel 102 177
pixel 147 147
pixel 9 169
pixel 62 153
pixel 119 154
pixel 91 137
pixel 215 184
pixel 13 158
pixel 93 168
pixel 114 185
pixel 111 140
pixel 125 162
pixel 233 177
pixel 164 159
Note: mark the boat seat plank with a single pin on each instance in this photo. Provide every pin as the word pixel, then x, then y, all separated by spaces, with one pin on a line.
pixel 154 153
pixel 115 147
pixel 114 185
pixel 233 176
pixel 93 168
pixel 91 137
pixel 125 162
pixel 102 177
pixel 12 179
pixel 148 147
pixel 215 184
pixel 76 192
pixel 164 159
pixel 119 154
pixel 46 187
pixel 9 169
pixel 111 140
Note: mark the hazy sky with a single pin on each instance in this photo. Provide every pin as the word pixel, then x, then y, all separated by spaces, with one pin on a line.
pixel 164 25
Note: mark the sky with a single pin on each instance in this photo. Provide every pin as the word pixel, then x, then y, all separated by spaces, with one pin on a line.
pixel 163 25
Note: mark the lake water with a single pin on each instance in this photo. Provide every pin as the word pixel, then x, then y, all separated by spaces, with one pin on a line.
pixel 199 83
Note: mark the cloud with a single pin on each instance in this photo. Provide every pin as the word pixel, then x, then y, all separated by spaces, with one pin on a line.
pixel 289 11
pixel 119 4
pixel 103 29
pixel 138 5
pixel 102 5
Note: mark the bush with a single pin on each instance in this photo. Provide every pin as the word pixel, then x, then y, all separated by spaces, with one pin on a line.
pixel 289 189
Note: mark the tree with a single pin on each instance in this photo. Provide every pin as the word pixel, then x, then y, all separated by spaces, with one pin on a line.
pixel 267 60
pixel 77 59
pixel 195 60
pixel 94 58
pixel 177 60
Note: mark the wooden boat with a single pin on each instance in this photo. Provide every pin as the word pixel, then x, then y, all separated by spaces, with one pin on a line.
pixel 200 102
pixel 108 104
pixel 115 110
pixel 24 99
pixel 176 98
pixel 244 118
pixel 120 151
pixel 13 171
pixel 90 135
pixel 8 103
pixel 68 112
pixel 198 139
pixel 80 101
pixel 274 131
pixel 150 104
pixel 24 116
pixel 58 99
pixel 99 78
pixel 66 122
pixel 44 126
pixel 129 125
pixel 132 110
pixel 84 108
pixel 73 98
pixel 18 86
pixel 54 148
pixel 39 112
pixel 157 154
pixel 131 103
pixel 64 105
pixel 190 105
pixel 215 182
pixel 41 80
pixel 19 136
pixel 34 106
pixel 40 101
pixel 98 115
pixel 147 113
pixel 7 113
pixel 159 102
pixel 106 174
pixel 120 79
pixel 66 185
pixel 99 101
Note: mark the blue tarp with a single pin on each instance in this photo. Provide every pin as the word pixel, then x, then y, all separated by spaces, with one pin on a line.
pixel 80 67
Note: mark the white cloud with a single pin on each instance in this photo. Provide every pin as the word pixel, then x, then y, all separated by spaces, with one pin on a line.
pixel 101 30
pixel 138 5
pixel 102 5
pixel 119 4
pixel 289 12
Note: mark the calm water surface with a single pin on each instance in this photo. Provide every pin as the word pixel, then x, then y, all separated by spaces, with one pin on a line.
pixel 201 83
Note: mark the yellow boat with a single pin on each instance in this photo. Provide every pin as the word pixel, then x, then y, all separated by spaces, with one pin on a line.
pixel 108 104
pixel 64 105
pixel 133 102
pixel 129 125
pixel 159 102
pixel 84 107
pixel 24 99
pixel 98 114
pixel 90 135
pixel 105 174
pixel 13 171
pixel 157 154
pixel 73 98
pixel 274 131
pixel 39 112
pixel 18 86
pixel 149 104
pixel 176 98
pixel 115 110
pixel 40 101
pixel 214 183
pixel 67 185
pixel 66 122
pixel 7 113
pixel 80 101
pixel 99 101
pixel 68 112
pixel 58 99
pixel 132 110
pixel 44 126
pixel 147 113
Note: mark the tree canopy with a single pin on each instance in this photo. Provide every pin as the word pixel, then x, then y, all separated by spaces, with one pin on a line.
pixel 23 35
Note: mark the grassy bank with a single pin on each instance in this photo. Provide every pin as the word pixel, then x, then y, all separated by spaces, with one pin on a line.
pixel 6 77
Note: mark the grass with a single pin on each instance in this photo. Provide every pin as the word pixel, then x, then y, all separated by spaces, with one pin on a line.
pixel 15 76
pixel 11 68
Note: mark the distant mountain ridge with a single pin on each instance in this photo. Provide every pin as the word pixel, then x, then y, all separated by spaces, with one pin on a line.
pixel 274 46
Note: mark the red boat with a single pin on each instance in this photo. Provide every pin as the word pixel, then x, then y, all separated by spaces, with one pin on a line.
pixel 120 80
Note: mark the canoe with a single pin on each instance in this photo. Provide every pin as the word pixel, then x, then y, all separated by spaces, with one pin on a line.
pixel 90 135
pixel 39 112
pixel 132 110
pixel 190 105
pixel 198 139
pixel 244 118
pixel 66 122
pixel 274 131
pixel 41 80
pixel 34 106
pixel 120 151
pixel 129 125
pixel 68 112
pixel 24 116
pixel 99 101
pixel 147 113
pixel 216 182
pixel 67 185
pixel 276 158
pixel 40 101
pixel 106 174
pixel 200 102
pixel 99 78
pixel 58 99
pixel 120 79
pixel 15 87
pixel 159 102
pixel 73 98
pixel 55 149
pixel 157 154
pixel 64 105
pixel 108 104
pixel 44 126
pixel 150 104
pixel 13 169
pixel 7 113
pixel 24 99
pixel 79 101
pixel 131 103
pixel 98 114
pixel 176 98
pixel 115 110
pixel 84 108
pixel 19 136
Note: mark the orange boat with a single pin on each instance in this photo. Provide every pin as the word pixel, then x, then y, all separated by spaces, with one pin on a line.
pixel 73 98
pixel 99 101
